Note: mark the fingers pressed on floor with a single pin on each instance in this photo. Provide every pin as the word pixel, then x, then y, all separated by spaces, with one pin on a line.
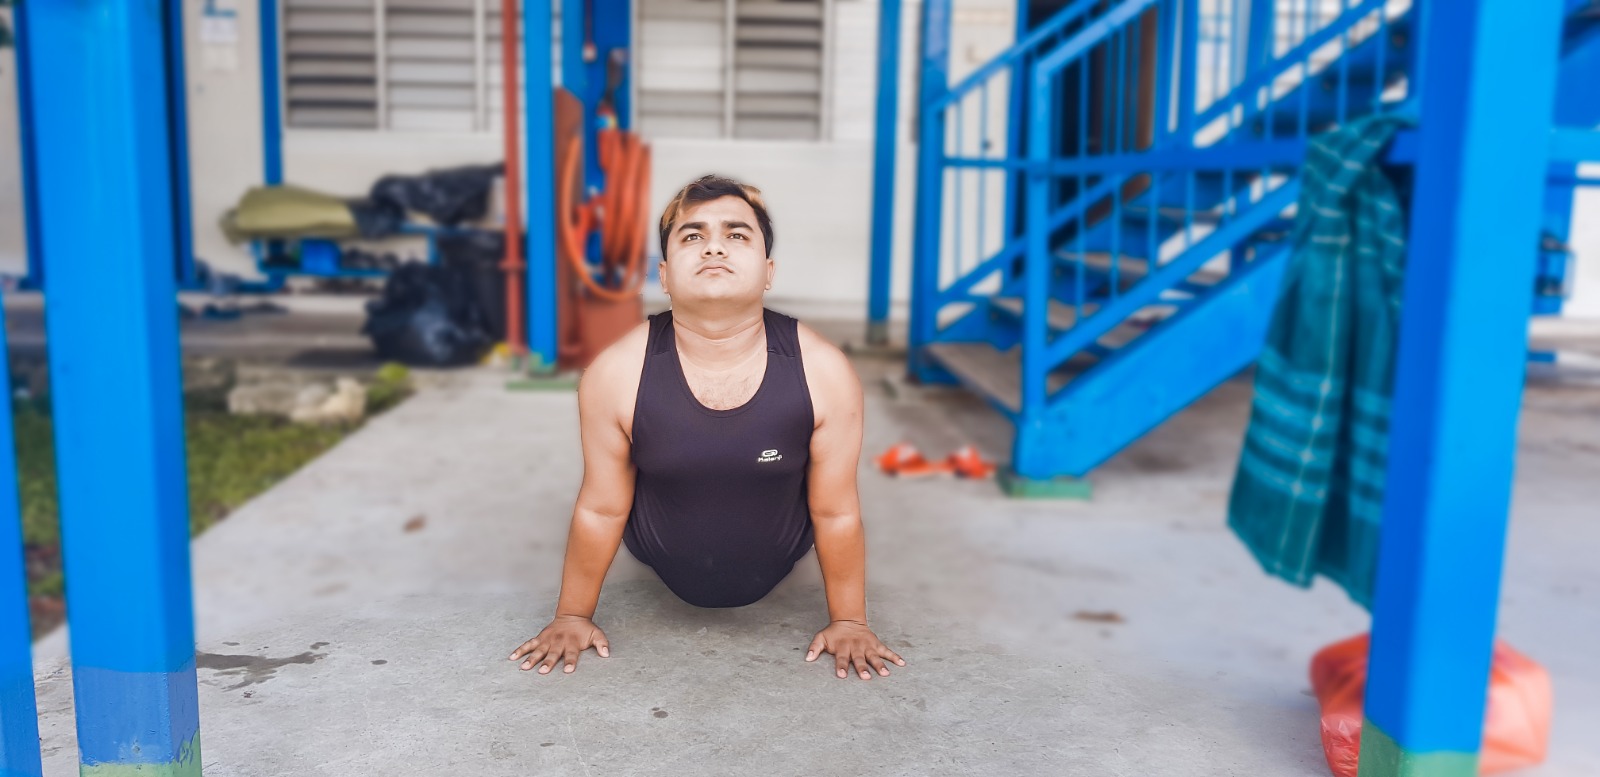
pixel 534 656
pixel 861 667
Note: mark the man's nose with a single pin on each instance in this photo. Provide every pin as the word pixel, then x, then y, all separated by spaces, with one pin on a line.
pixel 714 248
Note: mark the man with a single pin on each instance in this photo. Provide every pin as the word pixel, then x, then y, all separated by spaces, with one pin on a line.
pixel 720 440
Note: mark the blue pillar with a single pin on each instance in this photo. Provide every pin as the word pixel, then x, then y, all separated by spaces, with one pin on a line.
pixel 34 279
pixel 178 142
pixel 271 95
pixel 19 717
pixel 934 82
pixel 883 159
pixel 1016 125
pixel 1489 70
pixel 539 172
pixel 102 130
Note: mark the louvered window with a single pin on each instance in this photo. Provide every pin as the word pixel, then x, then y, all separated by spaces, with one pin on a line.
pixel 403 65
pixel 733 68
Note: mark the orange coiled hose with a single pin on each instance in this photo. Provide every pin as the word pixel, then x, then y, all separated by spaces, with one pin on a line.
pixel 621 213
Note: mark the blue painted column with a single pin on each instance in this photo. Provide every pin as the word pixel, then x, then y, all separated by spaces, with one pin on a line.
pixel 883 169
pixel 925 246
pixel 1489 67
pixel 178 141
pixel 101 125
pixel 19 717
pixel 539 171
pixel 271 95
pixel 34 279
pixel 1016 124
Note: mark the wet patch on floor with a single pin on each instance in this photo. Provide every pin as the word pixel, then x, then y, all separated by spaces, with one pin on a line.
pixel 251 670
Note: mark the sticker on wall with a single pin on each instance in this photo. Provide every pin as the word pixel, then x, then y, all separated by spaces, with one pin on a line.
pixel 219 36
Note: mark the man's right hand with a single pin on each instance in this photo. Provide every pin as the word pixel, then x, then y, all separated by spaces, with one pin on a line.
pixel 564 639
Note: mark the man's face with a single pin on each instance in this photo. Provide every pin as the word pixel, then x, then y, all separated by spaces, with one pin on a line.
pixel 716 253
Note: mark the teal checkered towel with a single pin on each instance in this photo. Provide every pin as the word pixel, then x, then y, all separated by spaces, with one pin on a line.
pixel 1308 496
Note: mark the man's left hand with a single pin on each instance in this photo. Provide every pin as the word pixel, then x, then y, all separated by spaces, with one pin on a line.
pixel 855 647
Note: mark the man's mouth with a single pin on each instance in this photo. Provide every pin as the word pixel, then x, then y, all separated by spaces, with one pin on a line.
pixel 715 266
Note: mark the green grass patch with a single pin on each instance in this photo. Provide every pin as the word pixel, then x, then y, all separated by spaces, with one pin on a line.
pixel 231 459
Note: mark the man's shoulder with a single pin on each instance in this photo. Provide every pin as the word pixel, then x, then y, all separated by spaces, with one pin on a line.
pixel 621 361
pixel 829 374
pixel 818 351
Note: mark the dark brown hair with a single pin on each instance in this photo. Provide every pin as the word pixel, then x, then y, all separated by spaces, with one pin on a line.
pixel 714 187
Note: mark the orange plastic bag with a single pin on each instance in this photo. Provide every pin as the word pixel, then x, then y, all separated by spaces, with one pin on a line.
pixel 1516 725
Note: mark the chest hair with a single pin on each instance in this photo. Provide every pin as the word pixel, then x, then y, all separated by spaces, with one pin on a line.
pixel 726 390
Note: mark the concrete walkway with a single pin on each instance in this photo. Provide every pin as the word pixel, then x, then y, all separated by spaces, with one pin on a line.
pixel 356 619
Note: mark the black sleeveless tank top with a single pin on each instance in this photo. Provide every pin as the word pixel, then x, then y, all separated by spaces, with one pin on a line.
pixel 719 502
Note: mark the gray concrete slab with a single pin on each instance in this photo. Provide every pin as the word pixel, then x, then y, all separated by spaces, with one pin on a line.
pixel 334 641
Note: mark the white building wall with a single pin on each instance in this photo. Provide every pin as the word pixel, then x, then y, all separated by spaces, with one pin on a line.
pixel 820 193
pixel 13 247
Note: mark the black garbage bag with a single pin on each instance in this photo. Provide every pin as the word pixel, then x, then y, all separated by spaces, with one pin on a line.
pixel 427 318
pixel 477 256
pixel 376 219
pixel 449 196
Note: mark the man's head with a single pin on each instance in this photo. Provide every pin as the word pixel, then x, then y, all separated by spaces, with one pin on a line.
pixel 716 243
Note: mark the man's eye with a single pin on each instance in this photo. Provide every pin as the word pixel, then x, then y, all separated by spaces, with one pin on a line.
pixel 690 237
pixel 737 235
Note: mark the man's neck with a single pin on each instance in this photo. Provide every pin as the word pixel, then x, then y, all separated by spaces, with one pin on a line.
pixel 715 340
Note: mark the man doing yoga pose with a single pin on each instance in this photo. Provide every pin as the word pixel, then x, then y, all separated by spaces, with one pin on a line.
pixel 720 442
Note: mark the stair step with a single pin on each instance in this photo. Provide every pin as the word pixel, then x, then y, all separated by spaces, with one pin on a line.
pixel 995 374
pixel 1063 316
pixel 1060 318
pixel 1169 215
pixel 1132 269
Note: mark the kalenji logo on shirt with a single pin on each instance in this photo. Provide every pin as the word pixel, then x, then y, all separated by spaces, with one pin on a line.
pixel 768 456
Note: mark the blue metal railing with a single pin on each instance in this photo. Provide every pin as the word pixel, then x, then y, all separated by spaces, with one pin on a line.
pixel 1156 139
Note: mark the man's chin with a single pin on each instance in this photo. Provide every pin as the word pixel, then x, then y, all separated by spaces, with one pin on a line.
pixel 720 298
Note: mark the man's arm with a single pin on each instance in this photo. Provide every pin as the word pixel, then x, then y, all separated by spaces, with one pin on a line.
pixel 605 404
pixel 606 496
pixel 836 509
pixel 832 492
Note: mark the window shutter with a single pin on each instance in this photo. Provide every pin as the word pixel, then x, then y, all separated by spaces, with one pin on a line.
pixel 682 68
pixel 330 64
pixel 778 69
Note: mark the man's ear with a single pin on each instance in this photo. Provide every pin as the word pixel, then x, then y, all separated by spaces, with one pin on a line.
pixel 661 274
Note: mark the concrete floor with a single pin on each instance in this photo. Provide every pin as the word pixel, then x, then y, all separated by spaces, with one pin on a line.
pixel 333 640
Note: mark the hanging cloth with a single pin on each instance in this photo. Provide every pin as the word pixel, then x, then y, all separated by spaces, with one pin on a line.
pixel 1308 495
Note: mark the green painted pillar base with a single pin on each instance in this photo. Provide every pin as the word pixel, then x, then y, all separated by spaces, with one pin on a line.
pixel 540 375
pixel 559 381
pixel 878 333
pixel 1064 487
pixel 187 765
pixel 1381 756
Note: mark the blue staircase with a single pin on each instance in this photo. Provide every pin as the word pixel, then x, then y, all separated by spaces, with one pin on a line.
pixel 1115 249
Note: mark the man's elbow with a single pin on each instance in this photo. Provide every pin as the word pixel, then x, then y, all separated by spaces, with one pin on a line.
pixel 601 514
pixel 836 519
